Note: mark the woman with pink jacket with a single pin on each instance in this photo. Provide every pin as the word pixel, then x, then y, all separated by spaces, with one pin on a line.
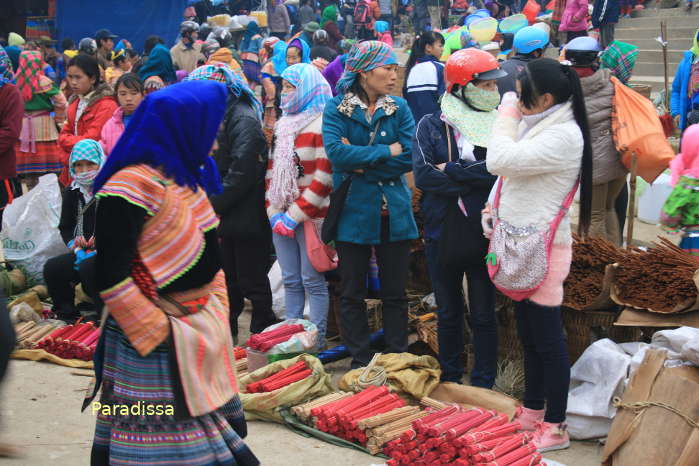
pixel 129 92
pixel 575 19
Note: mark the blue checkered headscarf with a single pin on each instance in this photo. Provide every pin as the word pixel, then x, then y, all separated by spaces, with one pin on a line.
pixel 6 74
pixel 223 74
pixel 312 90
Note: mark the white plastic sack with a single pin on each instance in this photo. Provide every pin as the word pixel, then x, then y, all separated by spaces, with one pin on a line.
pixel 276 282
pixel 299 343
pixel 30 233
pixel 595 379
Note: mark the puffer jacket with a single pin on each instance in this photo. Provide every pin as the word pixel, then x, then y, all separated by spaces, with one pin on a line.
pixel 112 131
pixel 574 9
pixel 598 90
pixel 100 108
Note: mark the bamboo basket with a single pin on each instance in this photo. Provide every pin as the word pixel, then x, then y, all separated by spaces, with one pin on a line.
pixel 585 327
pixel 643 89
pixel 427 333
pixel 374 314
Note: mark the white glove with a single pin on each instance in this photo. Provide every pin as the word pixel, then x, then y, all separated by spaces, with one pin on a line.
pixel 509 106
pixel 487 222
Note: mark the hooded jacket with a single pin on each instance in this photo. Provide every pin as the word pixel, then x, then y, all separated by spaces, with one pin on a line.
pixel 598 90
pixel 574 9
pixel 100 108
pixel 680 103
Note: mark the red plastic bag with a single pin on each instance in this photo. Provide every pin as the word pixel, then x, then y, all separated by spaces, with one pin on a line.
pixel 637 130
pixel 323 258
pixel 531 10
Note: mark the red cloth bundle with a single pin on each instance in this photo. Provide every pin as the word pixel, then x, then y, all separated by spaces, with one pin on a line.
pixel 284 377
pixel 266 340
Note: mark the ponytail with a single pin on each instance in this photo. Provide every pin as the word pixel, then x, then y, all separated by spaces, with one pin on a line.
pixel 580 112
pixel 563 83
pixel 418 49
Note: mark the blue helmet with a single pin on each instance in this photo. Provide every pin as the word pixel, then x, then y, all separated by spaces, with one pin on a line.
pixel 529 39
pixel 583 44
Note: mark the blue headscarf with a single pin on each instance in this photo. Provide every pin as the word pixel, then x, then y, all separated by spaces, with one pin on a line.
pixel 312 90
pixel 381 26
pixel 252 30
pixel 13 52
pixel 163 134
pixel 365 56
pixel 159 64
pixel 279 54
pixel 222 73
pixel 120 46
pixel 6 74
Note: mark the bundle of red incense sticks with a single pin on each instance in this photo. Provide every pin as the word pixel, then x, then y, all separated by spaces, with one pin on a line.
pixel 463 437
pixel 239 353
pixel 72 341
pixel 265 341
pixel 284 377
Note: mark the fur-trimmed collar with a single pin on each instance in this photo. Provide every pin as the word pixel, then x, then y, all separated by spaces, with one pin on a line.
pixel 351 100
pixel 103 90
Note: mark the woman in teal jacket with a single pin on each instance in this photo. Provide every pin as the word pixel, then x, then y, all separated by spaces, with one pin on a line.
pixel 378 209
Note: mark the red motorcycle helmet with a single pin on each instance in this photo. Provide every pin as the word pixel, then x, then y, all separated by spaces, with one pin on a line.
pixel 463 66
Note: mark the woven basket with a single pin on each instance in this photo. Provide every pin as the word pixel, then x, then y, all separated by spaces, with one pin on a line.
pixel 509 345
pixel 374 314
pixel 643 89
pixel 585 327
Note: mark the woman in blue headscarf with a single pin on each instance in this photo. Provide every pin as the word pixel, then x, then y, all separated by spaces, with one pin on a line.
pixel 158 71
pixel 249 53
pixel 158 260
pixel 297 51
pixel 298 192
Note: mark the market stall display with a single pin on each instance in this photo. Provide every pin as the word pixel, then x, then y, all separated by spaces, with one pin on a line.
pixel 281 379
pixel 72 341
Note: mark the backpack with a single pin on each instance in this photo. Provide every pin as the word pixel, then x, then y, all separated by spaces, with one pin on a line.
pixel 361 14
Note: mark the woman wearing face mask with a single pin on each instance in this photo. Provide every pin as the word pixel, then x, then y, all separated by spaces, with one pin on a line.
pixel 449 152
pixel 91 104
pixel 77 226
pixel 299 181
pixel 541 148
pixel 367 135
pixel 130 92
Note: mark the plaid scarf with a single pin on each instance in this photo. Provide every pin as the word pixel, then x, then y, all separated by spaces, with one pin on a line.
pixel 6 76
pixel 29 73
pixel 312 90
pixel 557 14
pixel 223 74
pixel 365 56
pixel 620 57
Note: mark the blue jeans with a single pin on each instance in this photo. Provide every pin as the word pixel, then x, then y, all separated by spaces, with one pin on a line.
pixel 447 285
pixel 300 277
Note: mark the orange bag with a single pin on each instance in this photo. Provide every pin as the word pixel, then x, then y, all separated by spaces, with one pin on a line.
pixel 636 129
pixel 531 10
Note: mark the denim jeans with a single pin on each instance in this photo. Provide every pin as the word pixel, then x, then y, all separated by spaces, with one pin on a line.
pixel 546 363
pixel 300 278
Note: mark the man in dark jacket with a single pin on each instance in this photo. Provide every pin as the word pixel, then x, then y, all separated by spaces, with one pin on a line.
pixel 605 15
pixel 245 233
pixel 529 44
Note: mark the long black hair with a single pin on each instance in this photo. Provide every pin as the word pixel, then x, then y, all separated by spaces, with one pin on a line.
pixel 130 81
pixel 89 65
pixel 418 50
pixel 545 75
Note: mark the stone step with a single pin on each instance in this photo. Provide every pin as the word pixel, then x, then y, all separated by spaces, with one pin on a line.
pixel 653 69
pixel 652 44
pixel 651 11
pixel 656 82
pixel 628 34
pixel 685 20
pixel 656 56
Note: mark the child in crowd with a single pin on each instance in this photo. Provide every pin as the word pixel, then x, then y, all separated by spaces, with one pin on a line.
pixel 681 209
pixel 77 226
pixel 383 32
pixel 120 65
pixel 129 92
pixel 425 75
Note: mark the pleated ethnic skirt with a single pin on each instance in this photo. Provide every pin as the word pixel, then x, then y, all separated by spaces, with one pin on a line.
pixel 156 436
pixel 42 155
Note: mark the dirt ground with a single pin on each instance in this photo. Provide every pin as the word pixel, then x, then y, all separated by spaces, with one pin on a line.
pixel 40 414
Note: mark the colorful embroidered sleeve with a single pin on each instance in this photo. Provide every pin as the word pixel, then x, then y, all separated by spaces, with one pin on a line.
pixel 682 206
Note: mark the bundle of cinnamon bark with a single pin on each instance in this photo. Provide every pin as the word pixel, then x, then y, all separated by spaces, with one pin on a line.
pixel 284 377
pixel 72 341
pixel 660 279
pixel 265 341
pixel 461 437
pixel 28 334
pixel 591 257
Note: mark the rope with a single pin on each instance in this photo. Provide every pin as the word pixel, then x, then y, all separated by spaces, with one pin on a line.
pixel 639 406
pixel 371 375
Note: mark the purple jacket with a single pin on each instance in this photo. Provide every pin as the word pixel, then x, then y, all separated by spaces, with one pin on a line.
pixel 333 72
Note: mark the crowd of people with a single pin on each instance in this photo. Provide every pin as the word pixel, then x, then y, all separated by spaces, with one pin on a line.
pixel 186 169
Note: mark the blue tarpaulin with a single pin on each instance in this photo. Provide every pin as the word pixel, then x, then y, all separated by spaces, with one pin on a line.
pixel 133 20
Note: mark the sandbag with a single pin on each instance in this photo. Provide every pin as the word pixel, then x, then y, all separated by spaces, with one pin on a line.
pixel 406 373
pixel 637 130
pixel 267 406
pixel 30 233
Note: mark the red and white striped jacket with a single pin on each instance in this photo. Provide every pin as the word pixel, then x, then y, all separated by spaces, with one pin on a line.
pixel 317 182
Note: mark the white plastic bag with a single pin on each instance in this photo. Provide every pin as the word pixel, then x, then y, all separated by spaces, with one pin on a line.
pixel 299 343
pixel 276 282
pixel 30 233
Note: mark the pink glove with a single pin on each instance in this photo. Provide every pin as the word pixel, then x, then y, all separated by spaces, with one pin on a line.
pixel 487 222
pixel 509 106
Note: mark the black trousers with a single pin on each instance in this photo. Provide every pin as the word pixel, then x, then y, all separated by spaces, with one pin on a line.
pixel 246 264
pixel 7 337
pixel 61 278
pixel 393 260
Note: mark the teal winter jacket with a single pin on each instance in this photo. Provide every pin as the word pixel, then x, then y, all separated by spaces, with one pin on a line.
pixel 382 176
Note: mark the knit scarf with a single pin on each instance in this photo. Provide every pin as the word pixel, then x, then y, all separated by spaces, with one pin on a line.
pixel 532 120
pixel 475 126
pixel 283 187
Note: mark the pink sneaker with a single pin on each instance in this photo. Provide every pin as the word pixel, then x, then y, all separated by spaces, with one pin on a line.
pixel 548 437
pixel 529 418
